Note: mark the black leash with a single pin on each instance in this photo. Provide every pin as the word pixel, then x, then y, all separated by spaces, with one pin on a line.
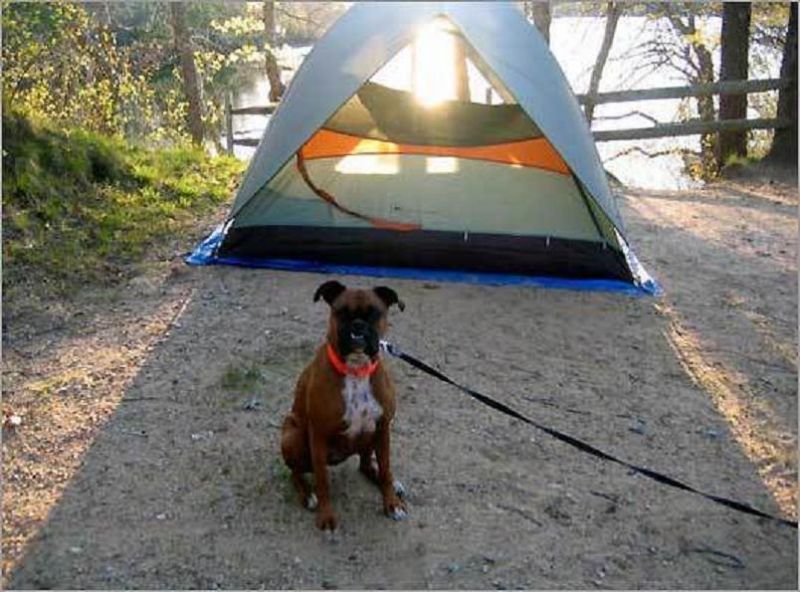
pixel 579 444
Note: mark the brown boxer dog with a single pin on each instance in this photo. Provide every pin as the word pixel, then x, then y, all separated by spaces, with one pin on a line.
pixel 344 402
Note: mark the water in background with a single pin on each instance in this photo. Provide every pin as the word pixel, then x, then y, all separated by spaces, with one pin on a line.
pixel 575 42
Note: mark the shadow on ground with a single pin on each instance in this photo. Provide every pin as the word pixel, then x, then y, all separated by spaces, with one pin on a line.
pixel 182 487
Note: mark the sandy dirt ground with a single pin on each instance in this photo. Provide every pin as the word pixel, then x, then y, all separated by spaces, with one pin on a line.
pixel 147 456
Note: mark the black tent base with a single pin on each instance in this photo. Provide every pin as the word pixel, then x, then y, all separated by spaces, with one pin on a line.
pixel 425 249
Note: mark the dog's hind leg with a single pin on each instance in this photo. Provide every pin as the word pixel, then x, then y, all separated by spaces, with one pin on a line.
pixel 296 455
pixel 307 497
pixel 368 466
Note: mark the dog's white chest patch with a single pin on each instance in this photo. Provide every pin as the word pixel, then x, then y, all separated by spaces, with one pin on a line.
pixel 361 410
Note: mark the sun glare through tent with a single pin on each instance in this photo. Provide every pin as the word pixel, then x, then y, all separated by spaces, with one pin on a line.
pixel 369 164
pixel 434 53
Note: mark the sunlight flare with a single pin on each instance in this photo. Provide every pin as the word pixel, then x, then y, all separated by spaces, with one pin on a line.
pixel 434 52
pixel 369 164
pixel 437 165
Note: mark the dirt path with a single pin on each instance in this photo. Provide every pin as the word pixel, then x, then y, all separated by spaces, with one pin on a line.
pixel 147 456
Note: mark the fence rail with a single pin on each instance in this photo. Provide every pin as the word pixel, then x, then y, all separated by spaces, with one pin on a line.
pixel 728 87
pixel 659 130
pixel 692 127
pixel 251 142
pixel 263 110
pixel 689 128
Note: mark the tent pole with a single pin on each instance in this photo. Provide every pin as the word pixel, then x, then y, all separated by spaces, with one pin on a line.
pixel 589 208
pixel 460 69
pixel 413 69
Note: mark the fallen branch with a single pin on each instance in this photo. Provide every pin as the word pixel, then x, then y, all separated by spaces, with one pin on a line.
pixel 689 128
pixel 666 152
pixel 521 513
pixel 138 433
pixel 629 114
pixel 303 19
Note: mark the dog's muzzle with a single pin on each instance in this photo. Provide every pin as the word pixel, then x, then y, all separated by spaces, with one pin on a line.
pixel 358 335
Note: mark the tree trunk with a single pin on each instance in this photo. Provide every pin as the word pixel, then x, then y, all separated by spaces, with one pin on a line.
pixel 539 12
pixel 276 87
pixel 733 66
pixel 703 73
pixel 784 144
pixel 707 111
pixel 612 18
pixel 191 84
pixel 269 22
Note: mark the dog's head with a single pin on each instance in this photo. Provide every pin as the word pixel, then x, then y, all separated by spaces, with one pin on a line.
pixel 357 320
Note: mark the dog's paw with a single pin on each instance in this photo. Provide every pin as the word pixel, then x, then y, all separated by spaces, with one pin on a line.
pixel 398 514
pixel 399 489
pixel 395 509
pixel 331 537
pixel 311 502
pixel 326 520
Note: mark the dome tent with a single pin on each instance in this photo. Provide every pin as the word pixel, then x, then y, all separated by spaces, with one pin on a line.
pixel 354 175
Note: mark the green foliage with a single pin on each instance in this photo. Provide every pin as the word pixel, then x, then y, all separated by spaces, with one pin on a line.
pixel 768 24
pixel 734 161
pixel 59 64
pixel 653 10
pixel 111 67
pixel 767 36
pixel 79 206
pixel 241 378
pixel 304 22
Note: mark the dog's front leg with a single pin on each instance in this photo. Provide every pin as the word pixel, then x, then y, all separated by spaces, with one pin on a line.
pixel 326 519
pixel 393 506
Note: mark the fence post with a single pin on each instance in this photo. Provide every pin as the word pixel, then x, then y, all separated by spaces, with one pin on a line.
pixel 229 122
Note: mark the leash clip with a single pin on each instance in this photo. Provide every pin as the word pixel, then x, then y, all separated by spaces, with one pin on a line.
pixel 389 348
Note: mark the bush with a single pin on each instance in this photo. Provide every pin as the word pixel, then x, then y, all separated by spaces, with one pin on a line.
pixel 79 206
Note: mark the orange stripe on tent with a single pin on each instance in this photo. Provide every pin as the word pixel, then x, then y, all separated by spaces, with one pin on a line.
pixel 536 152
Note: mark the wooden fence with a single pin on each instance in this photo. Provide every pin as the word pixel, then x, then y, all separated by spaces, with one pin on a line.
pixel 658 130
pixel 694 126
pixel 231 140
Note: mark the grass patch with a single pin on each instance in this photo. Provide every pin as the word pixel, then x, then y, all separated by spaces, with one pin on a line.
pixel 735 160
pixel 273 375
pixel 282 477
pixel 280 471
pixel 80 207
pixel 242 379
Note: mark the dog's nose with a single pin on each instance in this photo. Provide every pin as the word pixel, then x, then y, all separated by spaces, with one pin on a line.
pixel 358 333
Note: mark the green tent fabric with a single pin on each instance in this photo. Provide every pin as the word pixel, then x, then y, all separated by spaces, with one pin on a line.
pixel 353 172
pixel 382 113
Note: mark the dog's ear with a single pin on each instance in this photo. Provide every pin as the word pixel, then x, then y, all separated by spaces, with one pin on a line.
pixel 329 291
pixel 389 297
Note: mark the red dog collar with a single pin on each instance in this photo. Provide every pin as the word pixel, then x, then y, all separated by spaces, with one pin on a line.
pixel 342 368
